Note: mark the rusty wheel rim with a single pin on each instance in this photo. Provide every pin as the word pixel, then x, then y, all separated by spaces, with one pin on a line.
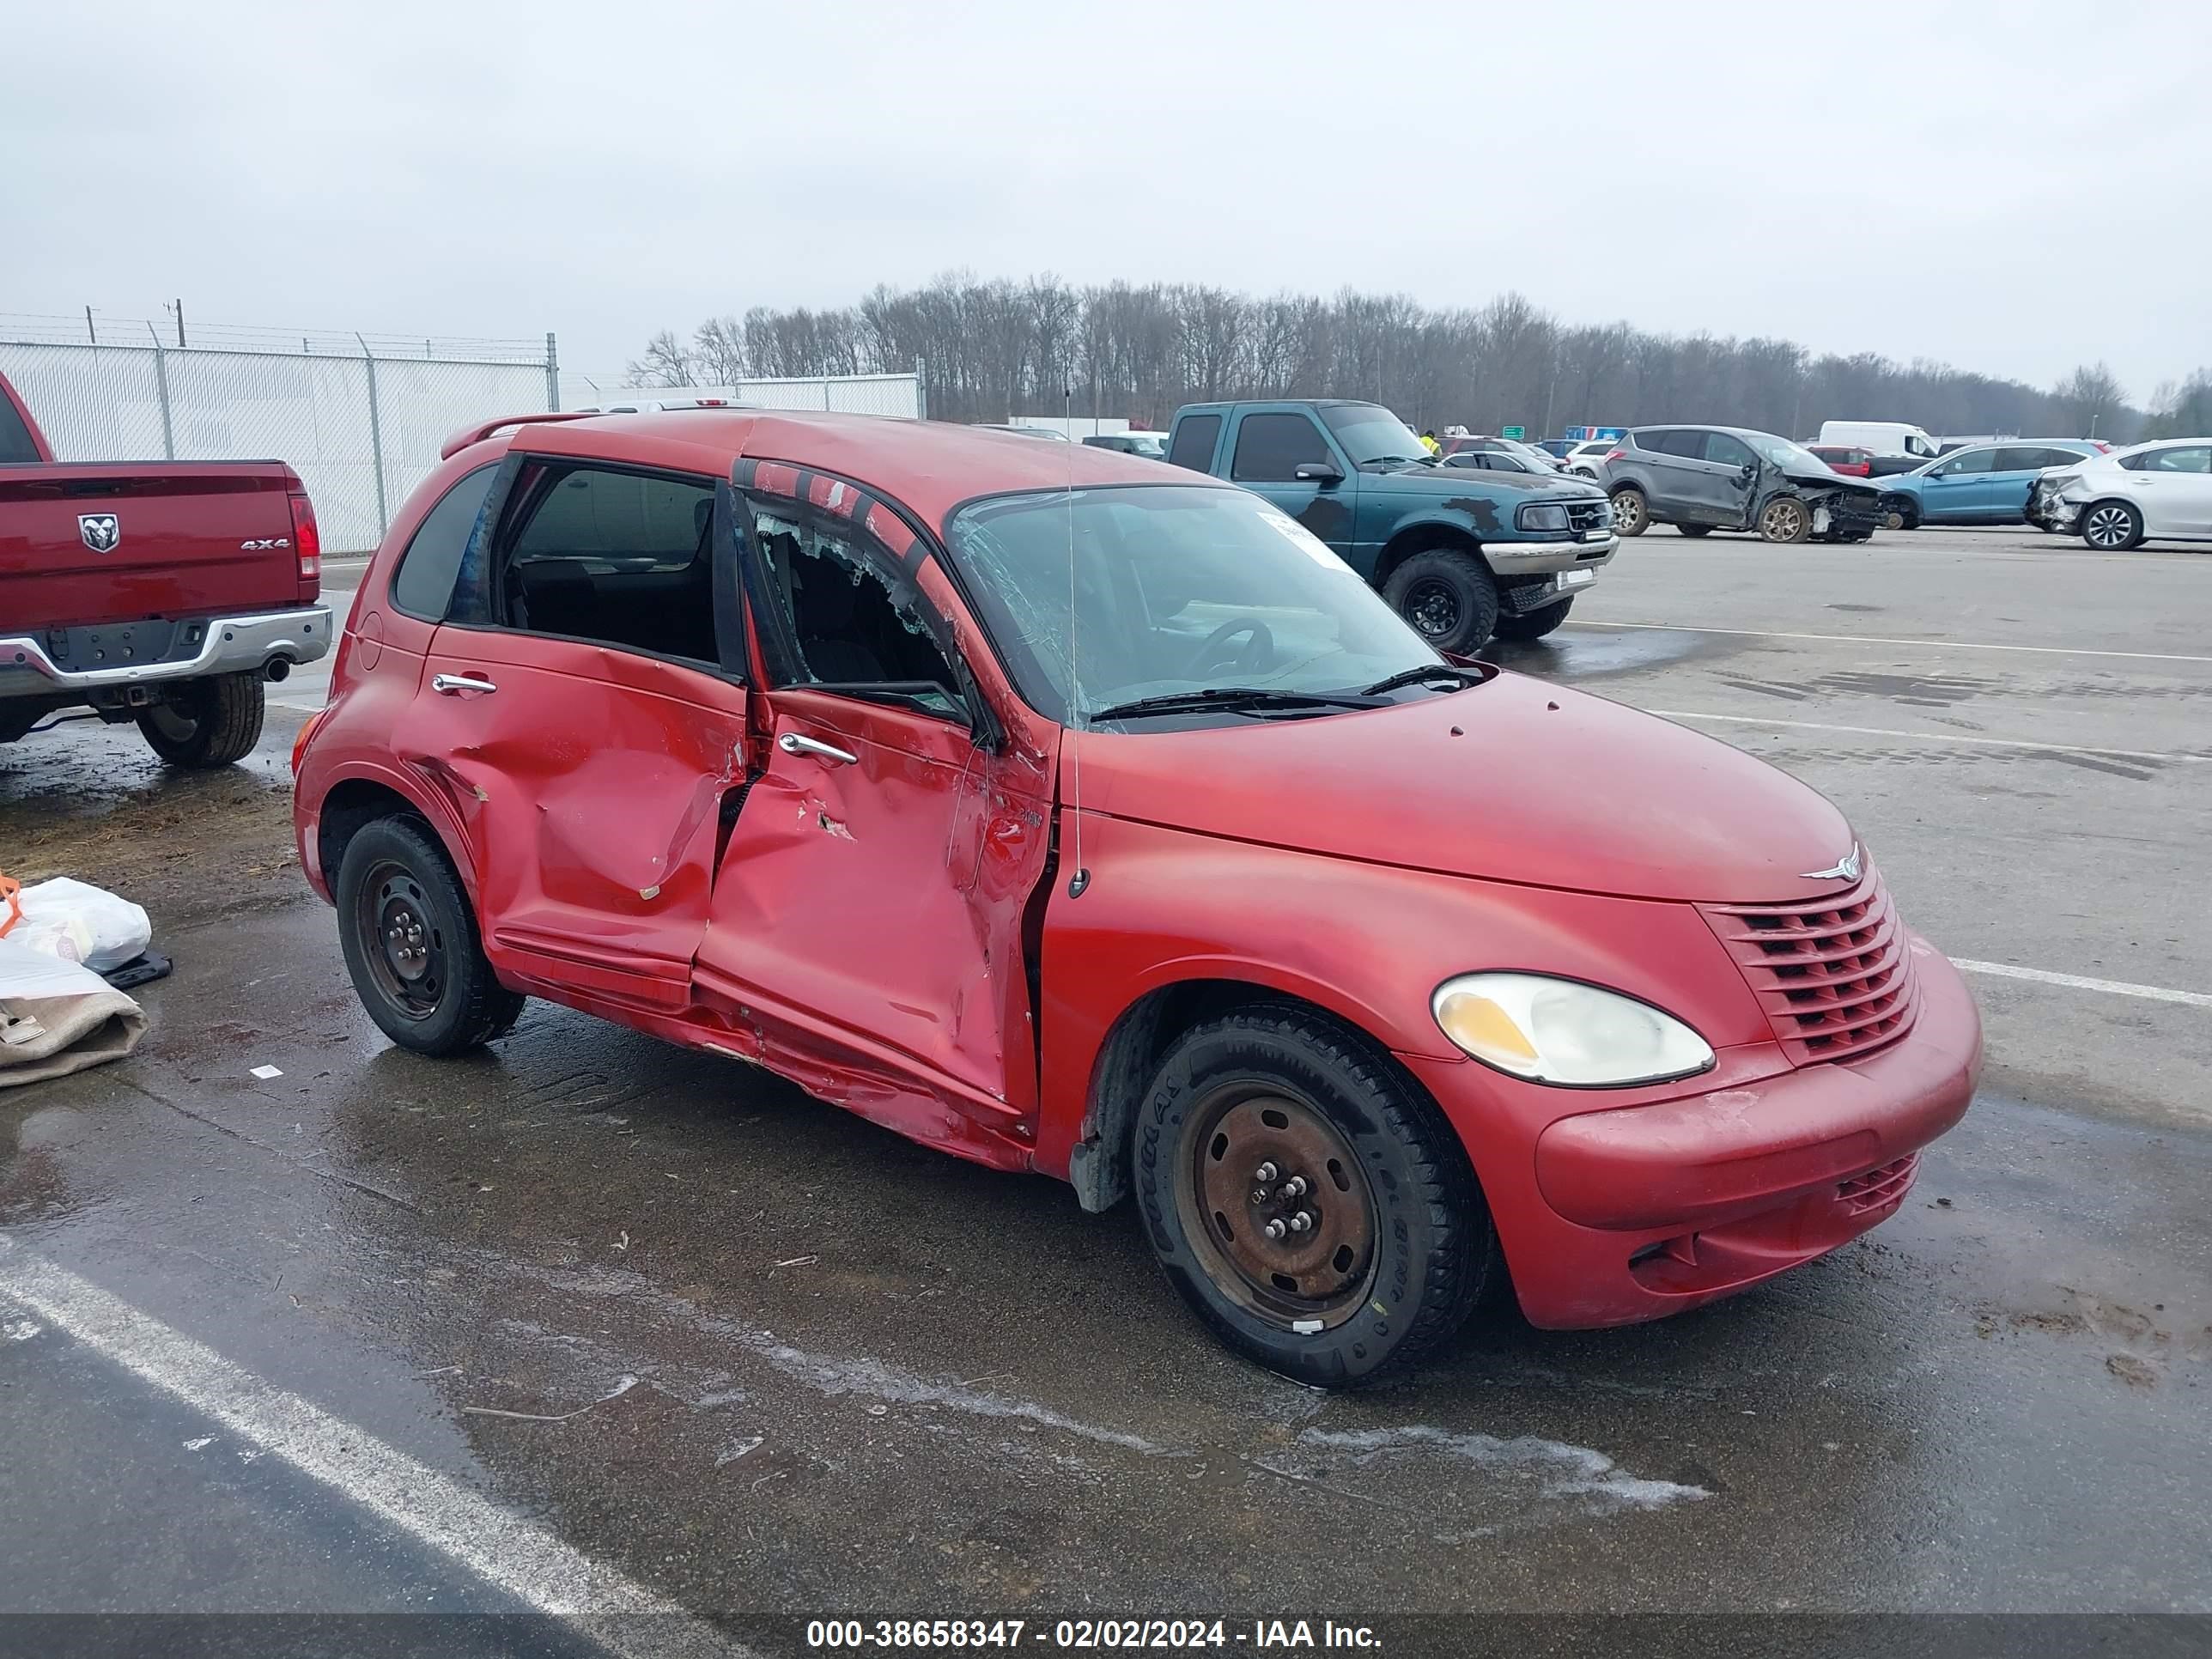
pixel 1259 1160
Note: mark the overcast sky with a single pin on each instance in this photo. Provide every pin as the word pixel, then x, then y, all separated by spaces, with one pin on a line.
pixel 2013 188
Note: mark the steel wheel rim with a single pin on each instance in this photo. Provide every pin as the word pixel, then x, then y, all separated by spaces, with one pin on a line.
pixel 2109 526
pixel 1627 512
pixel 1261 1157
pixel 173 723
pixel 1432 607
pixel 403 947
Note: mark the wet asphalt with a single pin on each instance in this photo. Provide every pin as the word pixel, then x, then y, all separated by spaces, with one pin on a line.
pixel 804 1369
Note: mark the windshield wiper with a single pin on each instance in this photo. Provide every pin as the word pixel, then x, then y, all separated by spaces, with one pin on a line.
pixel 1421 675
pixel 1231 699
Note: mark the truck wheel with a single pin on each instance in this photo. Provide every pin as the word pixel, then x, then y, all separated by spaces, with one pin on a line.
pixel 1449 596
pixel 211 722
pixel 1784 519
pixel 1632 514
pixel 2112 526
pixel 1534 624
pixel 1316 1213
pixel 1695 529
pixel 410 939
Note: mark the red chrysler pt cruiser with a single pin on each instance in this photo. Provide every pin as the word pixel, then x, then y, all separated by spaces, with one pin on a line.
pixel 1077 814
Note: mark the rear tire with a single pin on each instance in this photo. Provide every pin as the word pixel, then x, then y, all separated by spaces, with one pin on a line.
pixel 1785 519
pixel 1631 512
pixel 409 938
pixel 1695 529
pixel 1449 596
pixel 207 723
pixel 2112 526
pixel 1534 624
pixel 1397 1244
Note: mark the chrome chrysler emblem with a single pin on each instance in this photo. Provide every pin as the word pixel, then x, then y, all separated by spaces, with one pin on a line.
pixel 1847 868
pixel 101 531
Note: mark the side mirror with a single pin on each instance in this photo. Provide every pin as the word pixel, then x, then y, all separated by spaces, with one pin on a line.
pixel 1747 471
pixel 1323 473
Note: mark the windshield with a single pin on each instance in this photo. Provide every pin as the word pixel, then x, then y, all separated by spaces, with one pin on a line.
pixel 1784 453
pixel 1370 433
pixel 1175 588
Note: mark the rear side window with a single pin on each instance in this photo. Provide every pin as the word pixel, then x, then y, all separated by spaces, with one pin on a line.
pixel 15 445
pixel 1270 449
pixel 422 586
pixel 2027 459
pixel 1193 442
pixel 1689 442
pixel 618 558
pixel 2191 459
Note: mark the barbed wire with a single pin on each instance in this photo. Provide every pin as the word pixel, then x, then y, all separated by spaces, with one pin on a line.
pixel 100 328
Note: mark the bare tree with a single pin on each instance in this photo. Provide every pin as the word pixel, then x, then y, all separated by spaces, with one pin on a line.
pixel 2090 394
pixel 991 348
pixel 666 362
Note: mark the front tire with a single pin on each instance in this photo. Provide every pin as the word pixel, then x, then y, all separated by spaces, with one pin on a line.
pixel 207 723
pixel 1631 512
pixel 1784 519
pixel 1899 516
pixel 1273 1113
pixel 2113 526
pixel 1449 598
pixel 409 938
pixel 1534 624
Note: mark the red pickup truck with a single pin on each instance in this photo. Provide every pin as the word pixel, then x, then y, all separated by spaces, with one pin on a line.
pixel 164 593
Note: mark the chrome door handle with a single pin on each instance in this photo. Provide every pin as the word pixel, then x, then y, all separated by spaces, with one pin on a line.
pixel 791 744
pixel 453 684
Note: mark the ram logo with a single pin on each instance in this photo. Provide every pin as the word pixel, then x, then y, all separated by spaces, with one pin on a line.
pixel 266 545
pixel 101 531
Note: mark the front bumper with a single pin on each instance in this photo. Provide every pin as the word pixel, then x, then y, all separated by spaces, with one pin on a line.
pixel 1538 558
pixel 1631 1213
pixel 222 645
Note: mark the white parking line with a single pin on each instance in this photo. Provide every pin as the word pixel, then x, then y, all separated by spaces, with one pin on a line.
pixel 1932 737
pixel 2119 987
pixel 498 1545
pixel 1863 639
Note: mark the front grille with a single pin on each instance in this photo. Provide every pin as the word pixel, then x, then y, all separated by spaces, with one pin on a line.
pixel 1834 977
pixel 1589 515
pixel 1879 1187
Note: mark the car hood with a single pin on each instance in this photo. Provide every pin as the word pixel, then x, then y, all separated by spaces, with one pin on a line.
pixel 1823 479
pixel 1444 482
pixel 1515 779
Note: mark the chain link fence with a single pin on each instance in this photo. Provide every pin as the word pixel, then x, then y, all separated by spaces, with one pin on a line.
pixel 841 394
pixel 359 419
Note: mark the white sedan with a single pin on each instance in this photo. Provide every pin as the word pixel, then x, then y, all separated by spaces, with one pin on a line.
pixel 2156 491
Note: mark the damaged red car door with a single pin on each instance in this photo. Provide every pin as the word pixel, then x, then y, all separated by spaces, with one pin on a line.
pixel 576 710
pixel 867 918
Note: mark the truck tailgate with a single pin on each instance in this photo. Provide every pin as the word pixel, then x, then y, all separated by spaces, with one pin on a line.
pixel 189 538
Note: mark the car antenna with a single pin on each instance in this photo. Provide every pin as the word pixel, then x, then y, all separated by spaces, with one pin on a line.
pixel 1081 879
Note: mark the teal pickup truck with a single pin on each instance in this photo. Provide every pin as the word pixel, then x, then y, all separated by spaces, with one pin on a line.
pixel 1462 553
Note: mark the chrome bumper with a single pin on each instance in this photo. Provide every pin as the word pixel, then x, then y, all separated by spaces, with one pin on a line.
pixel 233 645
pixel 1533 559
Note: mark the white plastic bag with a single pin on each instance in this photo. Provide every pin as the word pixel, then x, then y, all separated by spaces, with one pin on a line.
pixel 79 922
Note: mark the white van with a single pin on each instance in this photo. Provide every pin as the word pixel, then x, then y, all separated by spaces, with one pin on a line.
pixel 1883 437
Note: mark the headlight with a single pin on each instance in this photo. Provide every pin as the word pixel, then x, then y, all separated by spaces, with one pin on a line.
pixel 1556 1030
pixel 1542 517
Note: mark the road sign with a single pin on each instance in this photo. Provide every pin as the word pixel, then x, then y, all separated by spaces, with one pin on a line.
pixel 1513 431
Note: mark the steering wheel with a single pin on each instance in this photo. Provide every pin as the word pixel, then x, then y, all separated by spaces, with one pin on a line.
pixel 1258 651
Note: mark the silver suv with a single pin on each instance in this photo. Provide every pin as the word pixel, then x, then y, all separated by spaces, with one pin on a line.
pixel 1702 478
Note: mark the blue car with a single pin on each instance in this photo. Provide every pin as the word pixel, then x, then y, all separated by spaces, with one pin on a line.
pixel 1982 483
